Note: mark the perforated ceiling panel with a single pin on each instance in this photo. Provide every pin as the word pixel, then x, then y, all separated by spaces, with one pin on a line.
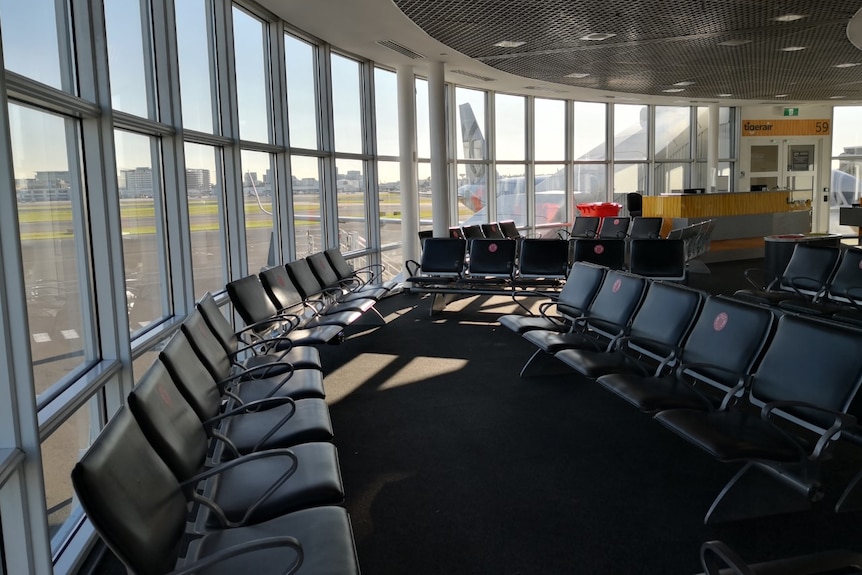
pixel 659 43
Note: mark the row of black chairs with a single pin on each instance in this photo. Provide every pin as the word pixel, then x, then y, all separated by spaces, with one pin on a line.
pixel 746 383
pixel 619 227
pixel 506 229
pixel 221 462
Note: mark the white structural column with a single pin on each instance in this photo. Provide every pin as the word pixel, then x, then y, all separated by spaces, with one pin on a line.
pixel 712 149
pixel 407 148
pixel 439 167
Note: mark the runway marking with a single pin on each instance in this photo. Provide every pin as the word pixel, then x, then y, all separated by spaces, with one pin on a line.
pixel 41 337
pixel 69 333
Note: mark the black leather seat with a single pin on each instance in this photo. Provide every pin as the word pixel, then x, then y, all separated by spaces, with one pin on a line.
pixel 510 229
pixel 842 295
pixel 278 421
pixel 145 527
pixel 607 252
pixel 583 227
pixel 365 278
pixel 658 259
pixel 542 262
pixel 254 352
pixel 491 261
pixel 787 422
pixel 645 228
pixel 297 383
pixel 634 204
pixel 248 489
pixel 662 320
pixel 606 319
pixel 805 277
pixel 719 559
pixel 442 262
pixel 573 300
pixel 726 339
pixel 614 227
pixel 346 289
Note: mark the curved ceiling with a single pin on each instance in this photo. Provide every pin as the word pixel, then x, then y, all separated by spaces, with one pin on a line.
pixel 707 50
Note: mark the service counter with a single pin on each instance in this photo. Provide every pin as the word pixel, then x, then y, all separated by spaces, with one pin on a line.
pixel 742 219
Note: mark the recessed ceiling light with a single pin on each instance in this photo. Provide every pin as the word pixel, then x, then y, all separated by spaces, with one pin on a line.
pixel 792 49
pixel 577 75
pixel 781 95
pixel 684 84
pixel 671 90
pixel 724 95
pixel 789 17
pixel 734 42
pixel 597 36
pixel 509 44
pixel 847 65
pixel 836 97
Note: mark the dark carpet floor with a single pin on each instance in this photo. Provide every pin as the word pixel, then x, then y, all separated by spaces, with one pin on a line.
pixel 452 463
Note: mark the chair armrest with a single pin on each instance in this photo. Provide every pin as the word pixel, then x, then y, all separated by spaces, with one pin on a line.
pixel 221 468
pixel 736 391
pixel 840 422
pixel 283 541
pixel 748 272
pixel 412 267
pixel 714 555
pixel 252 407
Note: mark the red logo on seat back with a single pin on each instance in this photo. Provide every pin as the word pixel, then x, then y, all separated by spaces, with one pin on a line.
pixel 720 322
pixel 492 248
pixel 166 397
pixel 599 249
pixel 617 285
pixel 616 222
pixel 281 281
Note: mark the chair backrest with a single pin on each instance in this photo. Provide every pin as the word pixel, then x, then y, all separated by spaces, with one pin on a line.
pixel 634 203
pixel 730 334
pixel 610 253
pixel 811 361
pixel 250 300
pixel 666 313
pixel 218 323
pixel 303 277
pixel 543 258
pixel 206 345
pixel 492 257
pixel 492 230
pixel 614 227
pixel 472 232
pixel 581 286
pixel 617 299
pixel 662 259
pixel 131 497
pixel 809 269
pixel 444 256
pixel 169 423
pixel 280 288
pixel 322 270
pixel 846 283
pixel 456 232
pixel 675 234
pixel 645 228
pixel 510 229
pixel 585 227
pixel 342 267
pixel 192 376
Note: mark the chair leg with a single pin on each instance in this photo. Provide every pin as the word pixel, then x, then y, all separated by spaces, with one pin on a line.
pixel 759 490
pixel 440 301
pixel 541 363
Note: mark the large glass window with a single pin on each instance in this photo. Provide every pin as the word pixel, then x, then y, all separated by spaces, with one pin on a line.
pixel 307 223
pixel 252 77
pixel 301 92
pixel 385 102
pixel 389 190
pixel 205 195
pixel 258 186
pixel 346 105
pixel 50 191
pixel 590 141
pixel 511 129
pixel 351 190
pixel 139 180
pixel 549 132
pixel 127 24
pixel 37 41
pixel 846 184
pixel 672 133
pixel 630 132
pixel 197 80
pixel 511 182
pixel 470 119
pixel 423 120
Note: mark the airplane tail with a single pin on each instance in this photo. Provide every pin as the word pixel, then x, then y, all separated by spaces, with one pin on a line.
pixel 473 193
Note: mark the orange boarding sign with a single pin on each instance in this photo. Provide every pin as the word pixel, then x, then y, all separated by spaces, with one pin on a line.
pixel 786 127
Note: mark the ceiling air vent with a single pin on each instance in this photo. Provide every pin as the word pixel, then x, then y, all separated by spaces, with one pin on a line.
pixel 403 50
pixel 472 75
pixel 545 89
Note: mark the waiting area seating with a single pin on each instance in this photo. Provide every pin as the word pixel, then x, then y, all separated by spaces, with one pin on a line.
pixel 749 384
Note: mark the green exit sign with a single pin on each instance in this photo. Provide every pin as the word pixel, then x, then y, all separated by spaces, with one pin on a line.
pixel 791 111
